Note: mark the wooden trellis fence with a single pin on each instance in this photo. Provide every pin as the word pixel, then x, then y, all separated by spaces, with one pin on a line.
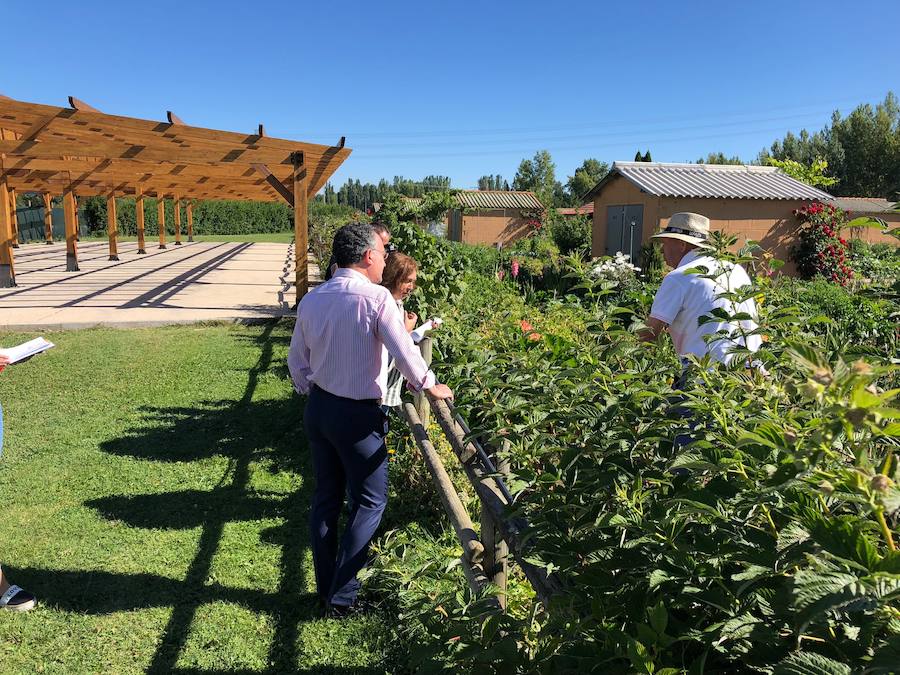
pixel 485 558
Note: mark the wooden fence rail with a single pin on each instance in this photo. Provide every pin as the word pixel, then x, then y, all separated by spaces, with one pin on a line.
pixel 484 559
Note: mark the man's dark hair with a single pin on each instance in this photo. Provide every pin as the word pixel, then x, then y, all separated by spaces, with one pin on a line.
pixel 381 228
pixel 351 243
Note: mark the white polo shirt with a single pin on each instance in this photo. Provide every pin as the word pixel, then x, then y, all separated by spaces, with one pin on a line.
pixel 683 298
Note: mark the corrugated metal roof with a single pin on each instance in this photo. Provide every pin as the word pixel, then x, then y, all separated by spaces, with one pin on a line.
pixel 498 199
pixel 863 204
pixel 733 181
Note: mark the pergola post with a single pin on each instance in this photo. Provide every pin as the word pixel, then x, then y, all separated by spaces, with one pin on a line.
pixel 112 227
pixel 48 218
pixel 69 210
pixel 14 218
pixel 7 265
pixel 190 219
pixel 75 211
pixel 301 224
pixel 177 204
pixel 139 220
pixel 161 219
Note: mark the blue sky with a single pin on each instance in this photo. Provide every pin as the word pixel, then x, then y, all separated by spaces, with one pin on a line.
pixel 465 89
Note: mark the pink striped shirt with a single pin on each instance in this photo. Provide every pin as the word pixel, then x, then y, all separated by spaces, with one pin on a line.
pixel 345 329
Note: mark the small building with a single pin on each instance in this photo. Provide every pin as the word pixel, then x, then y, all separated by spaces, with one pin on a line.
pixel 577 211
pixel 875 208
pixel 635 200
pixel 492 216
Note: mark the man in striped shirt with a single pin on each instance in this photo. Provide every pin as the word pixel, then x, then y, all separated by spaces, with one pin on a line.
pixel 338 356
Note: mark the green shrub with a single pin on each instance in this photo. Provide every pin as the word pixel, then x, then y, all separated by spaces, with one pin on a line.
pixel 572 235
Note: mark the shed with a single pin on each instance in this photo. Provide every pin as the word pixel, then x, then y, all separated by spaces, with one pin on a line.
pixel 875 207
pixel 636 199
pixel 492 216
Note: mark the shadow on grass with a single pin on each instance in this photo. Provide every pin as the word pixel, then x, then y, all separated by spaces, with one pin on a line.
pixel 246 432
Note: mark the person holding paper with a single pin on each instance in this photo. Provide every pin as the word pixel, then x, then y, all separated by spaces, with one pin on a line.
pixel 399 277
pixel 11 597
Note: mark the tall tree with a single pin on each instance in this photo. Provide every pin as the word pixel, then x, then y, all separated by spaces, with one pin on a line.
pixel 719 158
pixel 586 176
pixel 862 150
pixel 494 182
pixel 538 174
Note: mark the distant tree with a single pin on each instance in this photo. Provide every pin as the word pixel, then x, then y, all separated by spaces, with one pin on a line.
pixel 638 157
pixel 647 157
pixel 539 175
pixel 495 182
pixel 719 158
pixel 862 150
pixel 814 174
pixel 586 176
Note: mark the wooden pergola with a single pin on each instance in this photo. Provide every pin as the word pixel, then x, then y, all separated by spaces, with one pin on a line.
pixel 79 151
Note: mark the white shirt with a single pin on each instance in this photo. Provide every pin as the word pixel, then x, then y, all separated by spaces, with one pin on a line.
pixel 345 330
pixel 683 298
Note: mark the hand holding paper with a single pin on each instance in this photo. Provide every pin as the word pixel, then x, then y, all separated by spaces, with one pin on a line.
pixel 24 351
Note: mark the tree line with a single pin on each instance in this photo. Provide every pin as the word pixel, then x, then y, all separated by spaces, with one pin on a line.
pixel 861 152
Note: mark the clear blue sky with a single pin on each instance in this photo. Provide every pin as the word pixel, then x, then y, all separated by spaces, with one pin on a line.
pixel 467 88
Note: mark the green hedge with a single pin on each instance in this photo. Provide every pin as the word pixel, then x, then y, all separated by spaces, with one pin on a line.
pixel 210 217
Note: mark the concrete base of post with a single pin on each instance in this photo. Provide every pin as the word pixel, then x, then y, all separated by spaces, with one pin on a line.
pixel 71 263
pixel 178 243
pixel 114 257
pixel 48 243
pixel 7 278
pixel 142 251
pixel 162 246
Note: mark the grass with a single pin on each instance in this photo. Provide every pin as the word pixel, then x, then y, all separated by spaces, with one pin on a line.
pixel 255 237
pixel 156 494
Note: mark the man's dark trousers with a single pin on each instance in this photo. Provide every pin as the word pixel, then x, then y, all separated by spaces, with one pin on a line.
pixel 346 439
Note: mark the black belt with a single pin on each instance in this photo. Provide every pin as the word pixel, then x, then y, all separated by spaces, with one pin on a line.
pixel 368 401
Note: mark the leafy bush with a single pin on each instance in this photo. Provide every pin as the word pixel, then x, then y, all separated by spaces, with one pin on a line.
pixel 879 263
pixel 853 320
pixel 571 234
pixel 821 251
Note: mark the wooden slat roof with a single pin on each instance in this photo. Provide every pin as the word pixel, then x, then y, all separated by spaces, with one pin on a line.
pixel 46 148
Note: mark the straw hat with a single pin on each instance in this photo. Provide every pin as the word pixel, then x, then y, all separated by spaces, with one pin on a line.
pixel 690 227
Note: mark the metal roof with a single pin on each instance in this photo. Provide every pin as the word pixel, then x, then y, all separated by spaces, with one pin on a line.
pixel 734 181
pixel 498 199
pixel 863 204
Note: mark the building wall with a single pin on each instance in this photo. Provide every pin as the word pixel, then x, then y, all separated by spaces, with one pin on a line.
pixel 620 191
pixel 770 222
pixel 491 226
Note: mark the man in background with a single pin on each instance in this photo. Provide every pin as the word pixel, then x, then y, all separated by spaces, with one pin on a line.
pixel 345 330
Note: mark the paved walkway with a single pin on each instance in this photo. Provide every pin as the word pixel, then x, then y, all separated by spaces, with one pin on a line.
pixel 199 281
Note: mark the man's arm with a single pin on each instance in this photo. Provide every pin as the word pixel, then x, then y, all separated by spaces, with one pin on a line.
pixel 654 328
pixel 407 358
pixel 298 359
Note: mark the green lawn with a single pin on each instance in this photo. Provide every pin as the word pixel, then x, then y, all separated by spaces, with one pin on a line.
pixel 155 497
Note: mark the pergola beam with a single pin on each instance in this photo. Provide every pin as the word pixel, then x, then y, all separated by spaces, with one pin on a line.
pixel 77 104
pixel 280 188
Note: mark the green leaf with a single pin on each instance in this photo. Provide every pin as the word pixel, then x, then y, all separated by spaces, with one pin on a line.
pixel 810 663
pixel 659 618
pixel 640 658
pixel 816 593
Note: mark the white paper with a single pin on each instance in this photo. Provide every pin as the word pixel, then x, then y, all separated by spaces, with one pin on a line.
pixel 26 349
pixel 419 332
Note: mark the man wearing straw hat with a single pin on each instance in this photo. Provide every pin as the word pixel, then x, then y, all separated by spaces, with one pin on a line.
pixel 686 295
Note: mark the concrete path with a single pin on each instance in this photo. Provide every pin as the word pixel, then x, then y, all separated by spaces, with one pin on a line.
pixel 199 281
